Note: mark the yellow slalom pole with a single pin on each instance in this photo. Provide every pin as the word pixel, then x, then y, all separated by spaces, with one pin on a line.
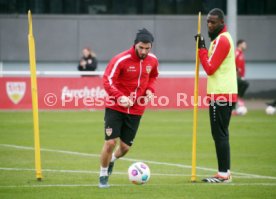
pixel 193 178
pixel 32 60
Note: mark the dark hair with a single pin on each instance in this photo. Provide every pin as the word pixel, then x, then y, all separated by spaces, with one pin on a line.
pixel 143 36
pixel 218 12
pixel 240 41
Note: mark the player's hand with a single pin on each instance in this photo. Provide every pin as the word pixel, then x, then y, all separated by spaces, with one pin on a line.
pixel 149 96
pixel 201 41
pixel 125 102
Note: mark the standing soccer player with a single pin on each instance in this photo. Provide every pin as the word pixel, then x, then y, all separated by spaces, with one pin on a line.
pixel 240 64
pixel 219 64
pixel 129 81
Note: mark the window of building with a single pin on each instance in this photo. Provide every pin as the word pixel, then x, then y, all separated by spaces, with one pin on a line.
pixel 133 7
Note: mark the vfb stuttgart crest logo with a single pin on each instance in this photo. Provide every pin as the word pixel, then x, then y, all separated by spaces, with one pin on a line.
pixel 108 131
pixel 16 91
pixel 148 69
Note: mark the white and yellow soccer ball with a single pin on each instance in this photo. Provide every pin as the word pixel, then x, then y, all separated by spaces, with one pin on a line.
pixel 270 110
pixel 138 173
pixel 241 110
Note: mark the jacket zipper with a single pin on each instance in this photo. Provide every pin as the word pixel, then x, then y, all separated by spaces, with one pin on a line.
pixel 138 83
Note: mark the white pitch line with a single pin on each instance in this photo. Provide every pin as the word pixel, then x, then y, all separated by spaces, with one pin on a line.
pixel 115 172
pixel 51 150
pixel 127 185
pixel 94 172
pixel 135 160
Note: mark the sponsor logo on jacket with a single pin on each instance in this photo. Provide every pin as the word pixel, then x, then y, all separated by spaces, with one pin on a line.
pixel 131 69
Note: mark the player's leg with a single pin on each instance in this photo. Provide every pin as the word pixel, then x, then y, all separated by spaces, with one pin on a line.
pixel 113 123
pixel 119 152
pixel 106 153
pixel 220 132
pixel 242 87
pixel 104 161
pixel 128 133
pixel 273 103
pixel 220 114
pixel 234 107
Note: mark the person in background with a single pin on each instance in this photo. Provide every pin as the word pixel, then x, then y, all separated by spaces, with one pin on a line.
pixel 88 61
pixel 240 67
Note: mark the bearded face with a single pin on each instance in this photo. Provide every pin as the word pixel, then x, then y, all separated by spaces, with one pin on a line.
pixel 142 49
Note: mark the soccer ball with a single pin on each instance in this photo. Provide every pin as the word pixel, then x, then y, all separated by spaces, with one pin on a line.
pixel 270 110
pixel 241 110
pixel 138 173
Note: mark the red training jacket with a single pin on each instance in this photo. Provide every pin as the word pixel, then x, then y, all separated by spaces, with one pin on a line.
pixel 240 63
pixel 127 74
pixel 212 63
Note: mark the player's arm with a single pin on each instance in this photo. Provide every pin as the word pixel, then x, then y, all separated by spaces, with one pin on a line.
pixel 149 94
pixel 240 64
pixel 212 63
pixel 152 78
pixel 110 78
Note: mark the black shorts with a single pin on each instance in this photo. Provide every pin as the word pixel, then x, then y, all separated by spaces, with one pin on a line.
pixel 122 125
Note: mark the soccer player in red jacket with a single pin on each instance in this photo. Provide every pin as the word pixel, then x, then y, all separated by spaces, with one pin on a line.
pixel 240 64
pixel 129 82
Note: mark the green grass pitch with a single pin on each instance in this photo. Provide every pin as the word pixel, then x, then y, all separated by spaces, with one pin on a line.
pixel 71 143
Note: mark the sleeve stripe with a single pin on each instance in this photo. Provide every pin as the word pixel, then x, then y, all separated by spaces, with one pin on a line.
pixel 115 67
pixel 152 55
